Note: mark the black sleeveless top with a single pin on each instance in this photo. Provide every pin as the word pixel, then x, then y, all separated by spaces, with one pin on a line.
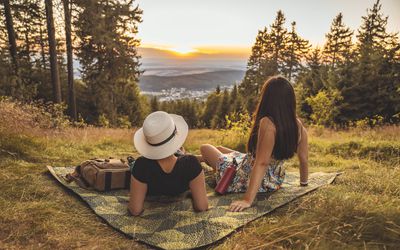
pixel 186 168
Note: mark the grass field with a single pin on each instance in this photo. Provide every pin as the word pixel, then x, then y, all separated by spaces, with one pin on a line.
pixel 360 210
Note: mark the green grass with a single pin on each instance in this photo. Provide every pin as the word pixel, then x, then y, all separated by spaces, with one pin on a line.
pixel 360 210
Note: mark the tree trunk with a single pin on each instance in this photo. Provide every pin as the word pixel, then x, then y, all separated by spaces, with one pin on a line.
pixel 55 77
pixel 291 64
pixel 42 52
pixel 11 34
pixel 71 90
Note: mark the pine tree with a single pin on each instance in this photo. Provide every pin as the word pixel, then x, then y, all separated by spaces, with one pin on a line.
pixel 188 111
pixel 108 54
pixel 55 76
pixel 223 110
pixel 11 34
pixel 26 15
pixel 374 90
pixel 267 59
pixel 71 89
pixel 278 43
pixel 255 76
pixel 338 43
pixel 310 81
pixel 296 50
pixel 312 77
pixel 211 106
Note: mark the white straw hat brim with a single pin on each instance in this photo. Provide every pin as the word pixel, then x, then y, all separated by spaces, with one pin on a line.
pixel 167 149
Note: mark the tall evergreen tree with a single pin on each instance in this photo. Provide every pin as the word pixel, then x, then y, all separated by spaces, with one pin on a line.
pixel 55 76
pixel 267 59
pixel 68 39
pixel 278 43
pixel 338 43
pixel 374 90
pixel 223 110
pixel 11 34
pixel 296 50
pixel 211 106
pixel 310 81
pixel 338 56
pixel 254 74
pixel 312 77
pixel 108 54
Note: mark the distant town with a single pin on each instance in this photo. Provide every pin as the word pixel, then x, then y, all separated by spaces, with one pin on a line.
pixel 182 93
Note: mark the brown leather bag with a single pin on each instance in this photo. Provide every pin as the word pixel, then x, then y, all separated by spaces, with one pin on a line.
pixel 101 174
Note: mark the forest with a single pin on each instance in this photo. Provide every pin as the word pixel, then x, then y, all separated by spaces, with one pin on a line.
pixel 353 79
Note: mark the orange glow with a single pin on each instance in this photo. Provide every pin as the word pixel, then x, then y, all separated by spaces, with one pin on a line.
pixel 225 50
pixel 182 50
pixel 189 51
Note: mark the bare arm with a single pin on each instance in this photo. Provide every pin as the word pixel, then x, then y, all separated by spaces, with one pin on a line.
pixel 265 145
pixel 136 196
pixel 302 153
pixel 199 194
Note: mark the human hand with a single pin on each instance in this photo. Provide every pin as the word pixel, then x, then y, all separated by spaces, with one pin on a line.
pixel 237 206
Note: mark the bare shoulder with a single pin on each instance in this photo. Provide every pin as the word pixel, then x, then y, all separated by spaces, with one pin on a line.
pixel 267 124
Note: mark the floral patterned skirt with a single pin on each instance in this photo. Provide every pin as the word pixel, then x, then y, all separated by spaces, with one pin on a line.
pixel 272 181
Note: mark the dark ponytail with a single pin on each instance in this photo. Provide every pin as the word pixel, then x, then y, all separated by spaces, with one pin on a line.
pixel 278 103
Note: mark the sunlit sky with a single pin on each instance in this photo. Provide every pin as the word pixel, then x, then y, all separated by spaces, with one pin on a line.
pixel 231 25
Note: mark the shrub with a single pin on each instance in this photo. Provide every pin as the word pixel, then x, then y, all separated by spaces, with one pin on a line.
pixel 324 108
pixel 103 121
pixel 123 122
pixel 19 117
pixel 376 120
pixel 237 130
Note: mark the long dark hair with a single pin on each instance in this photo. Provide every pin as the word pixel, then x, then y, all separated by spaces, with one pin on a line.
pixel 278 103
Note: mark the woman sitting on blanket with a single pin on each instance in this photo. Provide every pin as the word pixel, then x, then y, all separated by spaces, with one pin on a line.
pixel 159 171
pixel 276 135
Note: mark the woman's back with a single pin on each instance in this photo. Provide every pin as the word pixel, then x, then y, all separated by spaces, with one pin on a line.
pixel 275 173
pixel 160 182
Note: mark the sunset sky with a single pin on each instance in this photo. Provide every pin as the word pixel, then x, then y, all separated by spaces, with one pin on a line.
pixel 230 26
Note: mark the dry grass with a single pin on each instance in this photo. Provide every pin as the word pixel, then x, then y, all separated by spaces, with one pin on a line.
pixel 360 210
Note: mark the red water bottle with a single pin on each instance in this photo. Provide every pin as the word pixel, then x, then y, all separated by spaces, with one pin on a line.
pixel 227 178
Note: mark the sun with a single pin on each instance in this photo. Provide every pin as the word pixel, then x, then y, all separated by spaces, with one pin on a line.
pixel 183 50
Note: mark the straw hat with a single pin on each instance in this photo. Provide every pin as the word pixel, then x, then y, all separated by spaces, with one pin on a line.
pixel 162 135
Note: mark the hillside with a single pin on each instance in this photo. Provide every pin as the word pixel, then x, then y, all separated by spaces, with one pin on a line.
pixel 359 211
pixel 201 81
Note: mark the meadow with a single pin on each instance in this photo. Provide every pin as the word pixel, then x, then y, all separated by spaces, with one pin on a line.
pixel 360 210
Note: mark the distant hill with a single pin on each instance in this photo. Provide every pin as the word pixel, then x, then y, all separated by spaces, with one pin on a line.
pixel 201 81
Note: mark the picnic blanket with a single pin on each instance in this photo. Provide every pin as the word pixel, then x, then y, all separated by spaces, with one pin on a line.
pixel 171 223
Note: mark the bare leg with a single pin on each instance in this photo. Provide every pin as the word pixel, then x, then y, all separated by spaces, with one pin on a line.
pixel 225 150
pixel 200 158
pixel 210 155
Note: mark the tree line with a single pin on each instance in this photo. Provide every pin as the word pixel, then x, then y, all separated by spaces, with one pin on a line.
pixel 354 76
pixel 39 40
pixel 343 82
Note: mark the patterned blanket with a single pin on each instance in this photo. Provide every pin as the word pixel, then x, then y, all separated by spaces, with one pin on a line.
pixel 171 223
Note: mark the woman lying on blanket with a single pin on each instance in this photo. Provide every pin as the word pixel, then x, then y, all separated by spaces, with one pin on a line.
pixel 159 171
pixel 276 135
